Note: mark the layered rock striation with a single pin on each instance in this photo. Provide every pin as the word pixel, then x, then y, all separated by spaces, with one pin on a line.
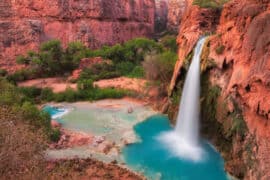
pixel 24 24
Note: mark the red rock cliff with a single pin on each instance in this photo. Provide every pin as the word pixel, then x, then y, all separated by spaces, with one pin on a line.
pixel 24 24
pixel 176 9
pixel 240 49
pixel 243 73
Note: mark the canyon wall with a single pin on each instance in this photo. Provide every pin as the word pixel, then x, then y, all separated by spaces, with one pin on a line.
pixel 24 24
pixel 176 9
pixel 238 60
pixel 161 14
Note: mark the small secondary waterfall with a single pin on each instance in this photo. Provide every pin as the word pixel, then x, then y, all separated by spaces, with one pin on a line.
pixel 184 140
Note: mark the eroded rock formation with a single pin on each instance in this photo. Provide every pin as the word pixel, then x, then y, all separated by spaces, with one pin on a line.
pixel 161 14
pixel 176 9
pixel 196 22
pixel 240 52
pixel 24 24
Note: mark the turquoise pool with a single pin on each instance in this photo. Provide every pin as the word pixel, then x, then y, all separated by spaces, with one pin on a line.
pixel 148 155
pixel 152 158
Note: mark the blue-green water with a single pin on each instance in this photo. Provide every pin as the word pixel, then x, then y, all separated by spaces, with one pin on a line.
pixel 55 113
pixel 151 157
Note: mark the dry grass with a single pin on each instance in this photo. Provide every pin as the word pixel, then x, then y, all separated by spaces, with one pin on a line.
pixel 21 147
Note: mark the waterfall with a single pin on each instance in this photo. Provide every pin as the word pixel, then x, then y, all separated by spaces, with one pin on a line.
pixel 188 117
pixel 184 140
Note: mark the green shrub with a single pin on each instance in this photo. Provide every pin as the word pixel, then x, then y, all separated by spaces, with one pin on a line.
pixel 216 4
pixel 133 50
pixel 160 66
pixel 9 95
pixel 137 72
pixel 59 97
pixel 52 59
pixel 136 49
pixel 73 54
pixel 68 95
pixel 239 125
pixel 85 84
pixel 109 93
pixel 47 94
pixel 15 99
pixel 35 117
pixel 220 49
pixel 3 72
pixel 31 92
pixel 124 67
pixel 100 71
pixel 22 75
pixel 169 42
pixel 55 135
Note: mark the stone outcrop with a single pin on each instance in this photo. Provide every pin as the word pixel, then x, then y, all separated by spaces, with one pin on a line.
pixel 24 24
pixel 161 14
pixel 176 10
pixel 240 52
pixel 196 22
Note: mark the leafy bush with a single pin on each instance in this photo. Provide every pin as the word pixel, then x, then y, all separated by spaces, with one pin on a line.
pixel 100 71
pixel 73 54
pixel 14 98
pixel 137 72
pixel 169 42
pixel 109 93
pixel 124 67
pixel 216 4
pixel 47 94
pixel 133 50
pixel 9 95
pixel 52 59
pixel 22 75
pixel 55 135
pixel 160 66
pixel 85 84
pixel 89 94
pixel 38 118
pixel 238 126
pixel 3 72
pixel 30 92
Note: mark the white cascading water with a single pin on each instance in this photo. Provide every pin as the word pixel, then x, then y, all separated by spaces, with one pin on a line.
pixel 184 140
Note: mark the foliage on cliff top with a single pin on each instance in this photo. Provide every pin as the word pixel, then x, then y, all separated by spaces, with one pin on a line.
pixel 216 4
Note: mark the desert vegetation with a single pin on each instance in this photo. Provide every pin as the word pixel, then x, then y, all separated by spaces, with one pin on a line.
pixel 216 4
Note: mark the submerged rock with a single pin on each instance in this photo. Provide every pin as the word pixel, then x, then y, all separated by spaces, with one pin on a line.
pixel 130 110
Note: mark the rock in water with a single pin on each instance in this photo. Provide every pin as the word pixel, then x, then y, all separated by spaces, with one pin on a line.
pixel 130 110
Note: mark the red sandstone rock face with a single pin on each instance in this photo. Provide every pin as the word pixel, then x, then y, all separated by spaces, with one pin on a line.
pixel 244 31
pixel 161 15
pixel 196 22
pixel 176 9
pixel 242 72
pixel 24 24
